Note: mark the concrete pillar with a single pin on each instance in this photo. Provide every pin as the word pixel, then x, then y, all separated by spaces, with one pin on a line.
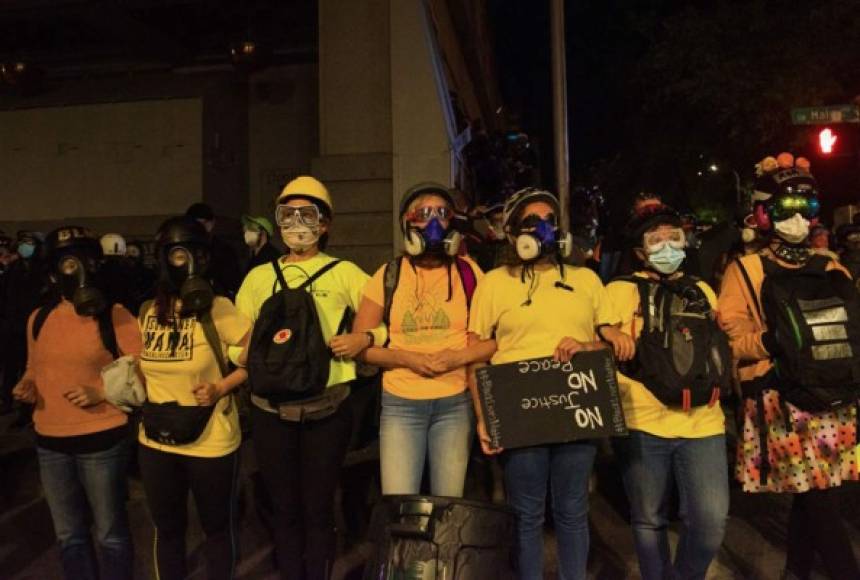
pixel 381 124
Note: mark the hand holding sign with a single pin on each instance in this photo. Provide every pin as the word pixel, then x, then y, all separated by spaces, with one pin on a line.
pixel 543 401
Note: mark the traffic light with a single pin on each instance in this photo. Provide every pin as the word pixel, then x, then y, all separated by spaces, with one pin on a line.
pixel 827 141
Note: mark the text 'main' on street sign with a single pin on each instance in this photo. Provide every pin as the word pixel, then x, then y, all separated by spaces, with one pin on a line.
pixel 825 115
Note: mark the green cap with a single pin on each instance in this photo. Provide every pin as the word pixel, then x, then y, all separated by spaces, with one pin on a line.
pixel 257 223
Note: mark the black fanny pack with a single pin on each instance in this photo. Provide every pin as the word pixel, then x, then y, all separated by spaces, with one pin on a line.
pixel 175 424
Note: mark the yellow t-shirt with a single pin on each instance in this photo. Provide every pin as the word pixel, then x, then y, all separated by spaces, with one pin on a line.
pixel 176 358
pixel 530 317
pixel 333 292
pixel 424 320
pixel 642 410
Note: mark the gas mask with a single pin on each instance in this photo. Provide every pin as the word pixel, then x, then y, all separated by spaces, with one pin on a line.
pixel 538 237
pixel 433 239
pixel 793 230
pixel 76 282
pixel 195 292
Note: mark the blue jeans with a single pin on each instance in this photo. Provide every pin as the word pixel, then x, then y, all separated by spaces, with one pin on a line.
pixel 88 487
pixel 412 429
pixel 566 467
pixel 700 471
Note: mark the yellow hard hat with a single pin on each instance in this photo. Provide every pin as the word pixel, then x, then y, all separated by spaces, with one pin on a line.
pixel 306 186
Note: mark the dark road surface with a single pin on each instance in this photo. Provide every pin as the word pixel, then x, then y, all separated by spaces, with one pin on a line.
pixel 753 548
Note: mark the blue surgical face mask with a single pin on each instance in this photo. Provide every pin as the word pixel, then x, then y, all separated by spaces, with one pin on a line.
pixel 26 250
pixel 667 259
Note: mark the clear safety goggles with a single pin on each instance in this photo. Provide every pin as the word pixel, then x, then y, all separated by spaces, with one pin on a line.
pixel 287 215
pixel 657 240
pixel 427 212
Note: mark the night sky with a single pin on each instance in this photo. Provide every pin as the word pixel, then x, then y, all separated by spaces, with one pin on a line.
pixel 732 70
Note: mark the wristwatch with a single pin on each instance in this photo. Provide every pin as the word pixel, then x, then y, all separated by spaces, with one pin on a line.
pixel 371 337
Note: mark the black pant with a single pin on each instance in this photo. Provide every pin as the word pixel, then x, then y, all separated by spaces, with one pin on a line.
pixel 815 526
pixel 300 464
pixel 167 478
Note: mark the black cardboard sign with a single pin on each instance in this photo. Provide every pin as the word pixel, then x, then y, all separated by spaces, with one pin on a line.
pixel 541 401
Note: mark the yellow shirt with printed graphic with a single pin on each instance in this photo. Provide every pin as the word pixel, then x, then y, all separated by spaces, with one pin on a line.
pixel 425 320
pixel 529 317
pixel 335 291
pixel 642 410
pixel 176 358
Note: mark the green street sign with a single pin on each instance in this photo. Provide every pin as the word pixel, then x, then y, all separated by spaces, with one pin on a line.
pixel 825 115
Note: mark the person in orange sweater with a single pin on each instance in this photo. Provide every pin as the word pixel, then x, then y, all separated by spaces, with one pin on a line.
pixel 788 313
pixel 82 440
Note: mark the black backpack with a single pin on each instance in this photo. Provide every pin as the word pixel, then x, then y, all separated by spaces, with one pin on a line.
pixel 682 355
pixel 288 358
pixel 814 316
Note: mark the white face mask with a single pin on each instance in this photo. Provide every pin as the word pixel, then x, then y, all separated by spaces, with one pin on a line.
pixel 252 239
pixel 300 238
pixel 793 230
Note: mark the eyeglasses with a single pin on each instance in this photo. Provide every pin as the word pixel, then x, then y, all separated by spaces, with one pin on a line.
pixel 425 213
pixel 786 206
pixel 288 215
pixel 657 240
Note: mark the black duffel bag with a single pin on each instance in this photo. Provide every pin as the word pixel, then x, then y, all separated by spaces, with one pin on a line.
pixel 441 537
pixel 175 424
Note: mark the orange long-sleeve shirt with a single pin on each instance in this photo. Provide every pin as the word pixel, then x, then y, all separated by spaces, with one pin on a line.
pixel 69 353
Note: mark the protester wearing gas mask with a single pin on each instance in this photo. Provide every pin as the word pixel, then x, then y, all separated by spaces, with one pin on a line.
pixel 538 306
pixel 794 321
pixel 300 440
pixel 81 439
pixel 423 298
pixel 189 436
pixel 671 400
pixel 258 233
pixel 24 289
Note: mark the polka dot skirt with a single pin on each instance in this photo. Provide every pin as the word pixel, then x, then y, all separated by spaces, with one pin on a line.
pixel 818 453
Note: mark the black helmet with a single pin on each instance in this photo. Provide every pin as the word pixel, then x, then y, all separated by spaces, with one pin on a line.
pixel 181 230
pixel 72 239
pixel 648 217
pixel 182 247
pixel 75 253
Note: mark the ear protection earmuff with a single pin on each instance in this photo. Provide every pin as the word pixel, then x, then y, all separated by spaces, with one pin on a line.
pixel 530 247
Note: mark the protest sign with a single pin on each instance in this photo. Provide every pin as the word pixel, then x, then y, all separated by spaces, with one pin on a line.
pixel 542 401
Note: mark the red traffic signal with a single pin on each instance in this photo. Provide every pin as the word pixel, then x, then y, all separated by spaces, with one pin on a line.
pixel 827 141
